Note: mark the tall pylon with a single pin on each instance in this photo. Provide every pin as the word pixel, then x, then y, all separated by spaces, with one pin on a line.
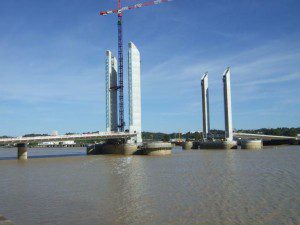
pixel 227 105
pixel 205 105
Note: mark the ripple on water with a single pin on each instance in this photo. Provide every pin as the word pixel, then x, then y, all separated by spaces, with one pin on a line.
pixel 189 187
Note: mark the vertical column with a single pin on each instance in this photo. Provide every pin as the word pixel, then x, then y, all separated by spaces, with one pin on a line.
pixel 205 105
pixel 107 88
pixel 22 151
pixel 114 94
pixel 134 91
pixel 227 105
pixel 111 93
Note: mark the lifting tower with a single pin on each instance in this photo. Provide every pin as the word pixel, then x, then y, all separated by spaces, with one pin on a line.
pixel 120 86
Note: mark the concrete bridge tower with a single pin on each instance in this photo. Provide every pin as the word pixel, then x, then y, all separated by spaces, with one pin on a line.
pixel 134 91
pixel 227 105
pixel 111 92
pixel 205 105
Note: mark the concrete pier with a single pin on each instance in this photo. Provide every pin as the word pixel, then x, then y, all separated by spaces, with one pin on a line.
pixel 119 149
pixel 157 148
pixel 22 151
pixel 251 144
pixel 187 145
pixel 225 145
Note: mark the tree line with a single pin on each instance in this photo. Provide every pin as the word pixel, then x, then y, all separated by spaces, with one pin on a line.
pixel 280 131
pixel 159 136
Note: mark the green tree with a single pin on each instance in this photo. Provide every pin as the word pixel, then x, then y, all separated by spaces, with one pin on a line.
pixel 198 136
pixel 166 138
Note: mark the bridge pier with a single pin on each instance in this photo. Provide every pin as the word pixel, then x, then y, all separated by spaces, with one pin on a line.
pixel 22 151
pixel 119 149
pixel 251 144
pixel 187 145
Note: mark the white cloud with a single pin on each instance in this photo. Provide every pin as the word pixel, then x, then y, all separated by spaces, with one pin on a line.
pixel 284 78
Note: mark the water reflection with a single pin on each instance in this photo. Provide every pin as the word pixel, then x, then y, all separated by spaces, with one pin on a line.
pixel 36 153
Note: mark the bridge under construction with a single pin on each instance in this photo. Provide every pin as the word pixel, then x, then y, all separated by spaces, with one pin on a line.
pixel 93 136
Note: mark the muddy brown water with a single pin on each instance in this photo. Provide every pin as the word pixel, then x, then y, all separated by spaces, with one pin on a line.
pixel 65 186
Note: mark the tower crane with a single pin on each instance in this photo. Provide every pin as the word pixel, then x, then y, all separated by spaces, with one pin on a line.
pixel 120 86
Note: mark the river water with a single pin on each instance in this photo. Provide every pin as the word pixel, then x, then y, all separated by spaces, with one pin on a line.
pixel 64 186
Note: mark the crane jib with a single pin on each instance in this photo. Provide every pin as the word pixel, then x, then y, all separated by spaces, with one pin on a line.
pixel 136 6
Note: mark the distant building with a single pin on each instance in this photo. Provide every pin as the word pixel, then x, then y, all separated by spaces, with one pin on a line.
pixel 134 91
pixel 111 93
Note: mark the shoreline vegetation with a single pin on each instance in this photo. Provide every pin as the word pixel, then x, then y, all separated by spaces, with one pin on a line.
pixel 280 131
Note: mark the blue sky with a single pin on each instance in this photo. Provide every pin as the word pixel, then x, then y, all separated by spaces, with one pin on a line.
pixel 52 56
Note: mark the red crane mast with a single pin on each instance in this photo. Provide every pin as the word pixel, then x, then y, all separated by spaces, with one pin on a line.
pixel 120 51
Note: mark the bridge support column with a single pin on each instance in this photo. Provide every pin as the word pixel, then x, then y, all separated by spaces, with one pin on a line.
pixel 22 151
pixel 205 106
pixel 227 105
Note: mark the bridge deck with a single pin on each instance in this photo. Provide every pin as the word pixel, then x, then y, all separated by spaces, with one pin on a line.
pixel 100 135
pixel 263 136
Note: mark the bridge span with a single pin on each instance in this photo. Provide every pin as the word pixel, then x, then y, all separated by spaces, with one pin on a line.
pixel 98 136
pixel 263 136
